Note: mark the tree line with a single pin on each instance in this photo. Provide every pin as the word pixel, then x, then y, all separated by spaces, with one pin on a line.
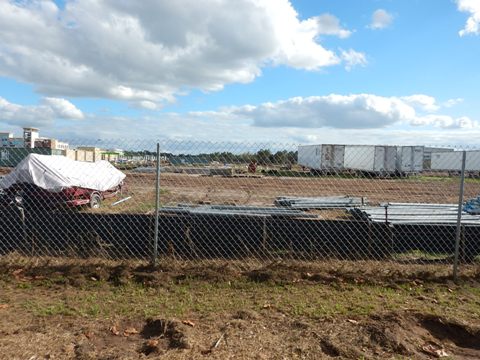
pixel 262 157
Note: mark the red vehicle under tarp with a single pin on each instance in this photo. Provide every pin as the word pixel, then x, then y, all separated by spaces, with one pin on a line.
pixel 42 180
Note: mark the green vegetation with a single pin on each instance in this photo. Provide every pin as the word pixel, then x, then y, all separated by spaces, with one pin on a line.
pixel 262 156
pixel 199 298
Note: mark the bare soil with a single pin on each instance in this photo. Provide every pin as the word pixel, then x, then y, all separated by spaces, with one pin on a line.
pixel 262 190
pixel 184 188
pixel 72 309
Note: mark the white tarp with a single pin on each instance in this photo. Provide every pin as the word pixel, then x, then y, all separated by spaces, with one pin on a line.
pixel 55 173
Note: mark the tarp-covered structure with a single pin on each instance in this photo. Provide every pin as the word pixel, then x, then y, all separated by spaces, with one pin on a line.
pixel 55 173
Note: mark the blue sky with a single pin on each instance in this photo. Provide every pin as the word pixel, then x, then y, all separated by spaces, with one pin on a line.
pixel 371 71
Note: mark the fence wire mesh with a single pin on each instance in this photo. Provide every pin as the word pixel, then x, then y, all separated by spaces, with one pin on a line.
pixel 248 202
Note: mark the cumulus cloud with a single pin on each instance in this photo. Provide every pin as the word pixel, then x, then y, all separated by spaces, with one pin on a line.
pixel 148 52
pixel 380 19
pixel 62 108
pixel 353 58
pixel 330 25
pixel 44 114
pixel 472 26
pixel 357 111
pixel 355 118
pixel 452 102
pixel 421 101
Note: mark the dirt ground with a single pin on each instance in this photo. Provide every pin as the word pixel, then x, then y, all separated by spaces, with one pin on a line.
pixel 262 190
pixel 183 188
pixel 53 309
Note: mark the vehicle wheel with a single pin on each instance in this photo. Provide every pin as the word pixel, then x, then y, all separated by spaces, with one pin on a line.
pixel 95 201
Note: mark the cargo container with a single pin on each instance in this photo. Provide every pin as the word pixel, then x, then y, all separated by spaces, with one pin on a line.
pixel 325 157
pixel 409 159
pixel 376 159
pixel 452 161
pixel 427 155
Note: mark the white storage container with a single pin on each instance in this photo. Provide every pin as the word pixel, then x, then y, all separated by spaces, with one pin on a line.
pixel 409 159
pixel 452 161
pixel 324 157
pixel 371 158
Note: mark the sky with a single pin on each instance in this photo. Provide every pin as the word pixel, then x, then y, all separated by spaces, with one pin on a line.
pixel 296 72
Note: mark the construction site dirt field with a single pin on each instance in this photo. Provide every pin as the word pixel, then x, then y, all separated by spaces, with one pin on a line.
pixel 77 309
pixel 262 190
pixel 183 188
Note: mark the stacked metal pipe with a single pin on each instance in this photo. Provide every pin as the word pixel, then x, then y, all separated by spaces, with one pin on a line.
pixel 414 213
pixel 326 202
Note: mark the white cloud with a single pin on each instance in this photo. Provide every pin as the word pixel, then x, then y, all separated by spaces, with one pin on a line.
pixel 62 108
pixel 356 118
pixel 472 26
pixel 148 52
pixel 357 111
pixel 380 19
pixel 452 102
pixel 330 25
pixel 353 58
pixel 187 130
pixel 44 114
pixel 423 102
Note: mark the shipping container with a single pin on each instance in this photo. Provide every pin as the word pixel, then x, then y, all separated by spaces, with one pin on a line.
pixel 325 157
pixel 409 159
pixel 452 161
pixel 427 155
pixel 371 158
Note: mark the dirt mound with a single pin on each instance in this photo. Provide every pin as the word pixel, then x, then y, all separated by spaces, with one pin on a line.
pixel 78 272
pixel 419 335
pixel 163 335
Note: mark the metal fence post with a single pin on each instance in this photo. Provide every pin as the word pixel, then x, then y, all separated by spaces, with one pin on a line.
pixel 459 217
pixel 157 206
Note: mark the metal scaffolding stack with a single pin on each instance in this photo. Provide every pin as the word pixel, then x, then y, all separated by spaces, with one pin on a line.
pixel 232 210
pixel 415 214
pixel 327 202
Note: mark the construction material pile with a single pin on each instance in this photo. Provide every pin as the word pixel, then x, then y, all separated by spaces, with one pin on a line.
pixel 414 214
pixel 326 202
pixel 472 206
pixel 232 210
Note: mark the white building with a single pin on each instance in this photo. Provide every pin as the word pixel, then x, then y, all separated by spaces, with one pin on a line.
pixel 30 135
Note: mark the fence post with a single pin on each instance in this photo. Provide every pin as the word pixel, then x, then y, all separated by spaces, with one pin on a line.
pixel 459 217
pixel 157 206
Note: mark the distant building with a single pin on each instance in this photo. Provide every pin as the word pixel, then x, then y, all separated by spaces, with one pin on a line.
pixel 51 144
pixel 31 139
pixel 14 149
pixel 29 136
pixel 5 135
pixel 112 155
pixel 8 141
pixel 89 153
pixel 120 152
pixel 10 157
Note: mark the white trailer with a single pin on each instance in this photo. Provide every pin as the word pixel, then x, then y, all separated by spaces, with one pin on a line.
pixel 325 157
pixel 452 161
pixel 427 155
pixel 409 159
pixel 371 158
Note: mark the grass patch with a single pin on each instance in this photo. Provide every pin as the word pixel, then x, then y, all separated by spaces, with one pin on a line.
pixel 196 298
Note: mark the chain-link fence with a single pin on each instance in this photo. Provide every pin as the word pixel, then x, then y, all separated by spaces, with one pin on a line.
pixel 250 202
